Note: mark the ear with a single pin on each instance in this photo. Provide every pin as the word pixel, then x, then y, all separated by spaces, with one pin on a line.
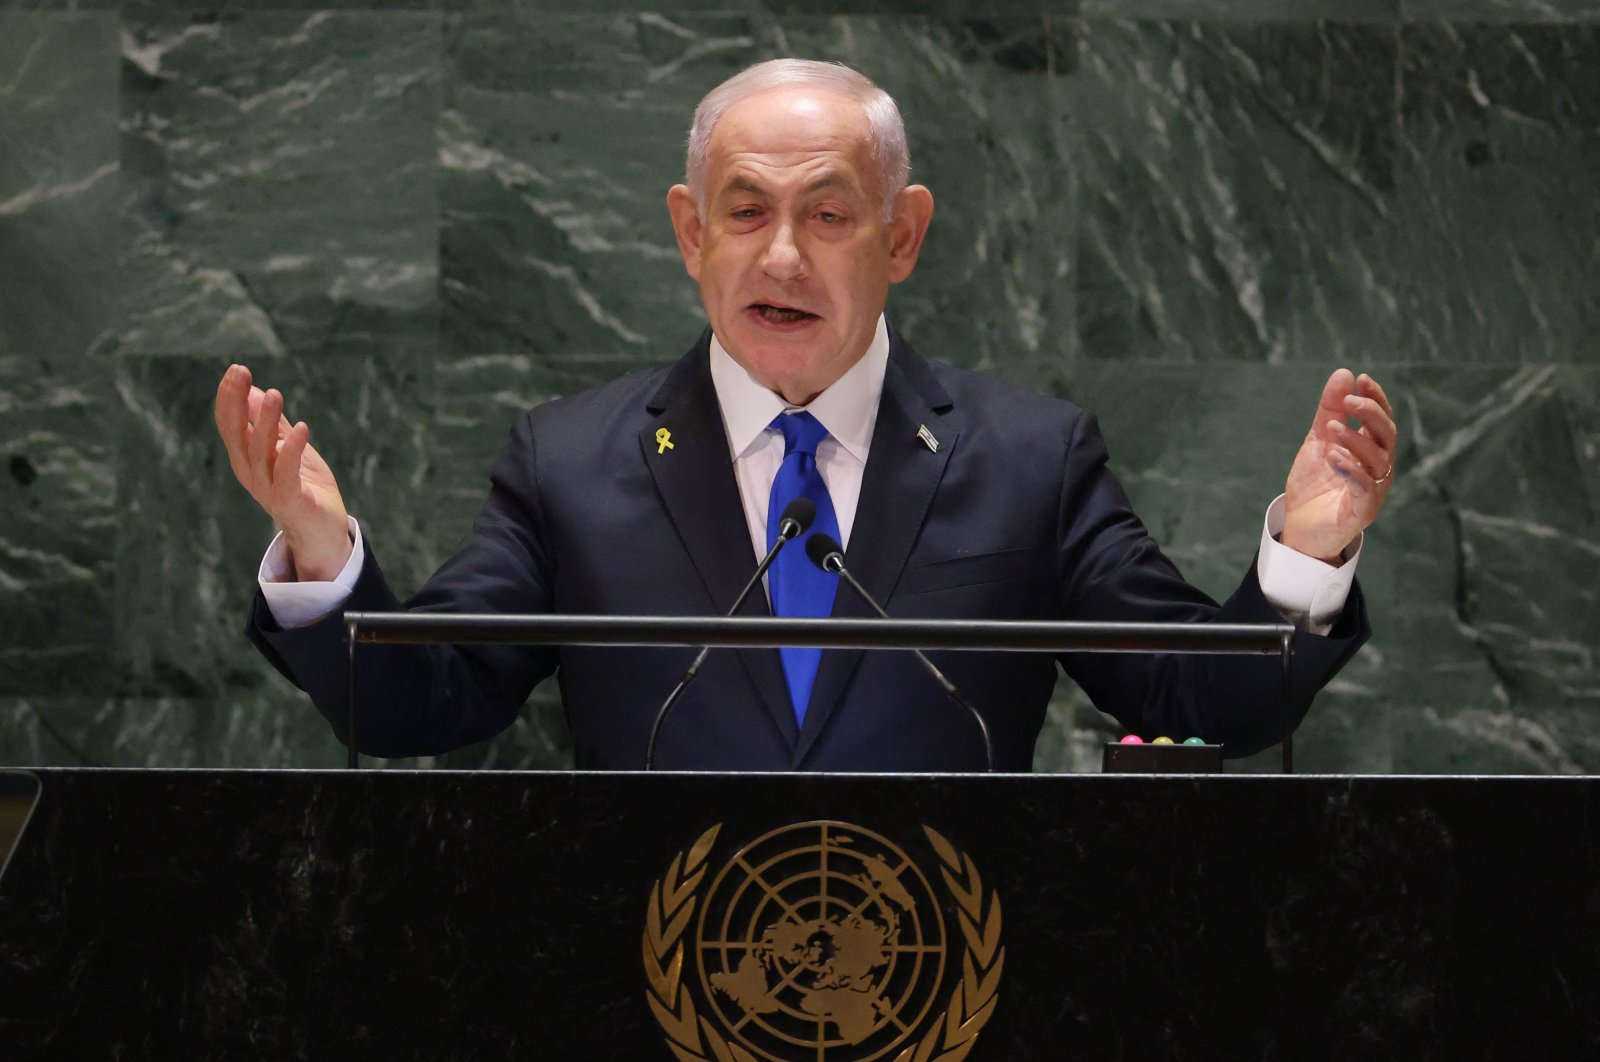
pixel 913 210
pixel 687 226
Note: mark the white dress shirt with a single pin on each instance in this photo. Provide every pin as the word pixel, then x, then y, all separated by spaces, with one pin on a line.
pixel 1304 590
pixel 848 409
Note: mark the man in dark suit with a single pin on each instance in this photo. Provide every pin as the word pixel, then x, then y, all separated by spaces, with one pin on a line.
pixel 955 496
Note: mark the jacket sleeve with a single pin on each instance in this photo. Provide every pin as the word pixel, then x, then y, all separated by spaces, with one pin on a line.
pixel 423 700
pixel 1110 569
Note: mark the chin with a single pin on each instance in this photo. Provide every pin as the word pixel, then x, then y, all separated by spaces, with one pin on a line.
pixel 780 372
pixel 776 357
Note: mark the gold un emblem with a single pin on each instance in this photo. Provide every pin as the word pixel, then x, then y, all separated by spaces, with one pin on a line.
pixel 821 942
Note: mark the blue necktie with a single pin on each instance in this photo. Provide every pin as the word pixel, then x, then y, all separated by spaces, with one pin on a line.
pixel 798 587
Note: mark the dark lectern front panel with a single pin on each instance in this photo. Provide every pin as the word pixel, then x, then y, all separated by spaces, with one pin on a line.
pixel 393 915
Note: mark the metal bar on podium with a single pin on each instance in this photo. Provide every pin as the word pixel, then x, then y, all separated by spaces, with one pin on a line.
pixel 1054 636
pixel 418 628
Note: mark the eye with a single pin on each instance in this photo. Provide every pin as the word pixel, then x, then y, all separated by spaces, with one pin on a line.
pixel 828 217
pixel 748 213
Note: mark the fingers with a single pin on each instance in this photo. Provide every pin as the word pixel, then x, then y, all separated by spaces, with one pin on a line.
pixel 286 474
pixel 1375 420
pixel 233 420
pixel 1340 385
pixel 1364 455
pixel 264 439
pixel 1371 406
pixel 1360 448
pixel 1369 449
pixel 1369 387
pixel 229 411
pixel 265 451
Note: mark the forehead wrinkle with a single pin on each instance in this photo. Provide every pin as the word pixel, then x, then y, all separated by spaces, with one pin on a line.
pixel 830 179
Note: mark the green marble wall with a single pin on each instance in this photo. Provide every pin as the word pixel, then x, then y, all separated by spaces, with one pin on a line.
pixel 417 218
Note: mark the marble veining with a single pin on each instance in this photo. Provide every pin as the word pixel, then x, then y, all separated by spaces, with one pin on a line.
pixel 418 219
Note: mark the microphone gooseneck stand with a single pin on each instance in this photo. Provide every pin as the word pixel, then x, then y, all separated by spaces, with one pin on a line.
pixel 797 517
pixel 826 554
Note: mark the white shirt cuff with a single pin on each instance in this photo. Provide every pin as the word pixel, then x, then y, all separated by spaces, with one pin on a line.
pixel 300 604
pixel 1307 592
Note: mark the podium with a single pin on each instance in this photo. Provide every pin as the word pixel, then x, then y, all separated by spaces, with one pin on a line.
pixel 386 914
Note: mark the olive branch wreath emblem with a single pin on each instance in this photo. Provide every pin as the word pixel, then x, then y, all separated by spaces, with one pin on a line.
pixel 694 1038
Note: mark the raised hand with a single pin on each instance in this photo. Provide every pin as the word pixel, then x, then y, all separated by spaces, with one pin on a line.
pixel 1341 475
pixel 275 462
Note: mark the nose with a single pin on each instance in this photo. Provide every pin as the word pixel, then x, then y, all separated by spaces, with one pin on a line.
pixel 783 260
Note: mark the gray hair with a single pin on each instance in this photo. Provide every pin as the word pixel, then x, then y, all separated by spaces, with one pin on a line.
pixel 883 117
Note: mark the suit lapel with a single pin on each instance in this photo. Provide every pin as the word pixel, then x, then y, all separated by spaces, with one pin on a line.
pixel 902 476
pixel 695 480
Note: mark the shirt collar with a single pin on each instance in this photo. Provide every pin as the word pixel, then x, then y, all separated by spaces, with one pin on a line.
pixel 848 408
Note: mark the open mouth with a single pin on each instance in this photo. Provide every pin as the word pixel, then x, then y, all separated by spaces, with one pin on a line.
pixel 780 314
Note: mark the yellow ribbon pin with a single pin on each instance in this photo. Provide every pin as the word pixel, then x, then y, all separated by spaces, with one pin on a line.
pixel 664 441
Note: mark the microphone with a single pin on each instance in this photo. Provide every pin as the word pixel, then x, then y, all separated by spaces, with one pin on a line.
pixel 796 518
pixel 827 554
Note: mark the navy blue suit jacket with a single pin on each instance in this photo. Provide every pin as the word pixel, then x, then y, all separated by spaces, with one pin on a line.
pixel 1016 516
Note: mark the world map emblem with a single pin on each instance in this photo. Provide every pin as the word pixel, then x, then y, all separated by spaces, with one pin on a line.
pixel 822 941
